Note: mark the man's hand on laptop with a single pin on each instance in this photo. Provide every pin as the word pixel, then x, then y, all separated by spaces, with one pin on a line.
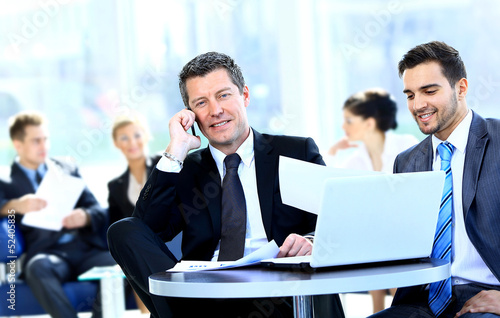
pixel 295 245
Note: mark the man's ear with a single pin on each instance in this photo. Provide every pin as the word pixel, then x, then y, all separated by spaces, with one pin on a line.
pixel 246 95
pixel 461 88
pixel 17 144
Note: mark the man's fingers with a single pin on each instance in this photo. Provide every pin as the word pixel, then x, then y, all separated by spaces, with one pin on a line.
pixel 41 203
pixel 36 204
pixel 187 118
pixel 295 245
pixel 287 245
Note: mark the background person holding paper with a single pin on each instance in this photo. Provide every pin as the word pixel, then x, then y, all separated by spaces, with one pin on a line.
pixel 467 146
pixel 369 117
pixel 185 193
pixel 51 257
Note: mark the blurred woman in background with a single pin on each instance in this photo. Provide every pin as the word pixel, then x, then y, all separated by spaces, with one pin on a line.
pixel 130 135
pixel 368 118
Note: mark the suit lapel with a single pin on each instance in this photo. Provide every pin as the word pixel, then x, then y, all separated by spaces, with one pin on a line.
pixel 265 171
pixel 123 183
pixel 474 152
pixel 18 176
pixel 423 160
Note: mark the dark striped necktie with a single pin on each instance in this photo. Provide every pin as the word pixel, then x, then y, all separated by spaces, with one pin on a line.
pixel 234 212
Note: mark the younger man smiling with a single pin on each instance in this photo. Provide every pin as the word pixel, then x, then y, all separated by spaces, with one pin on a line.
pixel 435 83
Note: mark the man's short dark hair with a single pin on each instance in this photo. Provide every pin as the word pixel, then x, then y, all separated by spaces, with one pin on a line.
pixel 207 63
pixel 19 122
pixel 452 66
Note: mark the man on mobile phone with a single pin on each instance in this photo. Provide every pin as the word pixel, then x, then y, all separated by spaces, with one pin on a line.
pixel 188 192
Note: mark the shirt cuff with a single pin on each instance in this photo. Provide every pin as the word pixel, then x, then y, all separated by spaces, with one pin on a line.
pixel 167 165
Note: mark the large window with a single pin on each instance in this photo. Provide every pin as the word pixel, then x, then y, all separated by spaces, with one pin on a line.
pixel 83 62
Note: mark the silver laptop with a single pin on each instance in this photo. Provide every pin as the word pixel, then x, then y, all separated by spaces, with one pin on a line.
pixel 374 218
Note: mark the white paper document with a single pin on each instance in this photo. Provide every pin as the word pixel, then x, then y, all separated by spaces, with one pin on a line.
pixel 270 250
pixel 99 272
pixel 301 182
pixel 61 191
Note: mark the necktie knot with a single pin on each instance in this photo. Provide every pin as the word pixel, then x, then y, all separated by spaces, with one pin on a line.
pixel 445 150
pixel 232 161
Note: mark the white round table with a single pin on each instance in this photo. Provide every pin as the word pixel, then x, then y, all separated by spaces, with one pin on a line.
pixel 258 282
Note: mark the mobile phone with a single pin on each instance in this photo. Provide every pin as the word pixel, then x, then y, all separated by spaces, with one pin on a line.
pixel 193 132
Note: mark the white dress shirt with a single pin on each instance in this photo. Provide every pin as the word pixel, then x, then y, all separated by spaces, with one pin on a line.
pixel 135 187
pixel 466 264
pixel 255 233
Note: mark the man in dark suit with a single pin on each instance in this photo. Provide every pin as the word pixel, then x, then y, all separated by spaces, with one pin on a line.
pixel 185 194
pixel 435 83
pixel 51 257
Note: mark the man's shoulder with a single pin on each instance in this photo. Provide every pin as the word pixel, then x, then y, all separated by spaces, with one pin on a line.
pixel 282 141
pixel 197 160
pixel 64 161
pixel 5 174
pixel 493 124
pixel 64 164
pixel 271 137
pixel 195 155
pixel 413 150
pixel 279 143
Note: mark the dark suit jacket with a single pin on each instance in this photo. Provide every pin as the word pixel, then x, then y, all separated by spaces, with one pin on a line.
pixel 190 201
pixel 119 204
pixel 480 192
pixel 40 240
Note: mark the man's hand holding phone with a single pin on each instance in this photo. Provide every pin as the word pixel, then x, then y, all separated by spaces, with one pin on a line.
pixel 181 142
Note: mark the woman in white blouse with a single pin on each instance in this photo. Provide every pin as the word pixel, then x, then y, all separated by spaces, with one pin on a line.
pixel 130 136
pixel 368 118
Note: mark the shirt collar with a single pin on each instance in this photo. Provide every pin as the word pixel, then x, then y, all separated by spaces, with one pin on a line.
pixel 458 138
pixel 31 173
pixel 245 151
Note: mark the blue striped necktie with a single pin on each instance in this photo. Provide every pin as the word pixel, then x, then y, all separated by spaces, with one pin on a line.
pixel 440 292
